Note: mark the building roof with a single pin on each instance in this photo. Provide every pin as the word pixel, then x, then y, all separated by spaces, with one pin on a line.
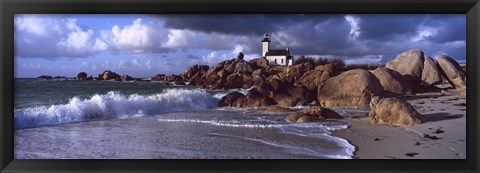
pixel 277 52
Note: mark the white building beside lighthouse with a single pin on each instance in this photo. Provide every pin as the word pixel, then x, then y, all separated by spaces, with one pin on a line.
pixel 275 57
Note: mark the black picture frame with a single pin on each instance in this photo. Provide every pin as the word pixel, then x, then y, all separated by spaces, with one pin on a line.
pixel 471 8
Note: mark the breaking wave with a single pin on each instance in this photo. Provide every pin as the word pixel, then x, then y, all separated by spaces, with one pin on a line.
pixel 114 105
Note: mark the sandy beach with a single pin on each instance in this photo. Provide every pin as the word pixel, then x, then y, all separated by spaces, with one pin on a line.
pixel 442 136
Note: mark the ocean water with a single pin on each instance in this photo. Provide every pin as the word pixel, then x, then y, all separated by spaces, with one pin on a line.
pixel 148 120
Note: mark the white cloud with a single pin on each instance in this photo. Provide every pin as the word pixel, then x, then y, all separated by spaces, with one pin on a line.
pixel 354 28
pixel 424 32
pixel 180 38
pixel 184 38
pixel 138 38
pixel 52 37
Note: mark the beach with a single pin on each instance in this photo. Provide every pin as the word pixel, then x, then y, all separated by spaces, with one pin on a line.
pixel 446 120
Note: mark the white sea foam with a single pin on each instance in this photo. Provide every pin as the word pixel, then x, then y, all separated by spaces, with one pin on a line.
pixel 115 105
pixel 224 93
pixel 222 123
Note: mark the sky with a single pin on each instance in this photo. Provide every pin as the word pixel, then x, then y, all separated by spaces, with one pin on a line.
pixel 146 45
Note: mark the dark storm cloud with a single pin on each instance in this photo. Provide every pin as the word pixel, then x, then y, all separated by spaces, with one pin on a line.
pixel 389 26
pixel 385 34
pixel 243 24
pixel 190 56
pixel 450 28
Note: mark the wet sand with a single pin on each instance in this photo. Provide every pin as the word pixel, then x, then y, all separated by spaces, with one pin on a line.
pixel 443 136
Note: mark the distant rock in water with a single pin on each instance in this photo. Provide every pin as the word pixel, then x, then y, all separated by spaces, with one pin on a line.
pixel 45 77
pixel 82 76
pixel 409 63
pixel 60 77
pixel 453 71
pixel 393 111
pixel 127 78
pixel 109 75
pixel 351 88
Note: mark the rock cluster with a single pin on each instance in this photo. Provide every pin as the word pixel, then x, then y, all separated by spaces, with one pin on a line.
pixel 421 69
pixel 312 114
pixel 105 75
pixel 311 84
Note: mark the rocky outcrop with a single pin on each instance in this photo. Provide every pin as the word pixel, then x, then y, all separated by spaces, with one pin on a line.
pixel 193 70
pixel 253 99
pixel 240 56
pixel 393 111
pixel 351 88
pixel 431 74
pixel 126 78
pixel 45 77
pixel 298 70
pixel 409 63
pixel 314 78
pixel 82 76
pixel 230 99
pixel 393 83
pixel 312 114
pixel 261 63
pixel 60 77
pixel 109 75
pixel 453 71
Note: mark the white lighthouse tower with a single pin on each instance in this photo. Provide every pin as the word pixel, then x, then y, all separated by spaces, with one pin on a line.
pixel 265 44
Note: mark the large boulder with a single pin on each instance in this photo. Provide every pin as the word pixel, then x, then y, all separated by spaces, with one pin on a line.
pixel 242 67
pixel 298 69
pixel 351 88
pixel 258 77
pixel 431 74
pixel 287 101
pixel 253 99
pixel 234 81
pixel 317 77
pixel 409 63
pixel 230 99
pixel 260 63
pixel 256 99
pixel 240 56
pixel 393 111
pixel 312 114
pixel 453 71
pixel 82 76
pixel 194 69
pixel 211 75
pixel 393 83
pixel 322 112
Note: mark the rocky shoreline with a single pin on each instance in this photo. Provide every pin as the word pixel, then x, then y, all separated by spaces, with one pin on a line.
pixel 322 83
pixel 389 92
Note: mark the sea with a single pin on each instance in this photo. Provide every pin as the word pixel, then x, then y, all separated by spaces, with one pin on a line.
pixel 70 119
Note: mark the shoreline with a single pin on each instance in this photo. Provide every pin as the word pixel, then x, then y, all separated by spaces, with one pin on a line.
pixel 442 136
